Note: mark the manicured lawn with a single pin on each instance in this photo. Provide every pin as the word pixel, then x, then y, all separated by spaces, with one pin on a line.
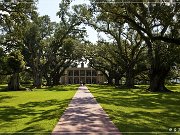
pixel 33 111
pixel 135 110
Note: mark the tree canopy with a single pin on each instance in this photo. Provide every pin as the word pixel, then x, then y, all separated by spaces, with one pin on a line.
pixel 142 45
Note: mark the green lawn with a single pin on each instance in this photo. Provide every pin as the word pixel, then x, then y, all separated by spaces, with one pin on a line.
pixel 135 110
pixel 33 111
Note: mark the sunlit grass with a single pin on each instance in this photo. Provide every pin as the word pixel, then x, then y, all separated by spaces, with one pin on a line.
pixel 33 111
pixel 136 110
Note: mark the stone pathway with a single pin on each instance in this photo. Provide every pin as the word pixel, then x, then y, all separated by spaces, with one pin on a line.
pixel 84 116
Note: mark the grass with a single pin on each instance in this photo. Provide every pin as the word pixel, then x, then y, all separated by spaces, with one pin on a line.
pixel 135 110
pixel 3 87
pixel 33 111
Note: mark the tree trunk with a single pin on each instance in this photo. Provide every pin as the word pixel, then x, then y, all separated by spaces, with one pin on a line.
pixel 129 82
pixel 110 78
pixel 157 80
pixel 37 79
pixel 56 79
pixel 48 80
pixel 129 79
pixel 117 79
pixel 14 82
pixel 110 82
pixel 49 83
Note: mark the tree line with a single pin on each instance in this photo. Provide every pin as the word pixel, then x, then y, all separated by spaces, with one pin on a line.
pixel 143 44
pixel 42 49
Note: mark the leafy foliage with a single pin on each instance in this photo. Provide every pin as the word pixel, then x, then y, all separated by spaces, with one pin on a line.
pixel 15 62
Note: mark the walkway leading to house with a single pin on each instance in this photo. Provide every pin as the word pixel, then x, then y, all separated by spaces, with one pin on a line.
pixel 84 116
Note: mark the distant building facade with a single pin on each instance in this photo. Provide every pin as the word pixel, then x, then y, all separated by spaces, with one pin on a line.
pixel 82 75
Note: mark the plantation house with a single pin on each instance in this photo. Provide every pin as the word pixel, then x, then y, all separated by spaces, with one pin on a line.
pixel 82 74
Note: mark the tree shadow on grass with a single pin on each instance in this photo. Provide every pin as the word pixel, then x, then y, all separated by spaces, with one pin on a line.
pixel 138 111
pixel 144 122
pixel 57 89
pixel 61 88
pixel 3 98
pixel 145 101
pixel 32 130
pixel 36 111
pixel 10 113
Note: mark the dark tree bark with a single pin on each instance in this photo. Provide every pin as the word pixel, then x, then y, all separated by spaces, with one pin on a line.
pixel 110 82
pixel 56 79
pixel 129 78
pixel 117 78
pixel 110 79
pixel 59 72
pixel 37 77
pixel 157 79
pixel 48 80
pixel 14 82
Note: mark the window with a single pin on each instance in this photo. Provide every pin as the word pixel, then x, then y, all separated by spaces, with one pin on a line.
pixel 82 73
pixel 88 72
pixel 76 72
pixel 94 73
pixel 70 73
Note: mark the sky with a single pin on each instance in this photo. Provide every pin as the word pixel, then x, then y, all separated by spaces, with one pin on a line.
pixel 51 7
